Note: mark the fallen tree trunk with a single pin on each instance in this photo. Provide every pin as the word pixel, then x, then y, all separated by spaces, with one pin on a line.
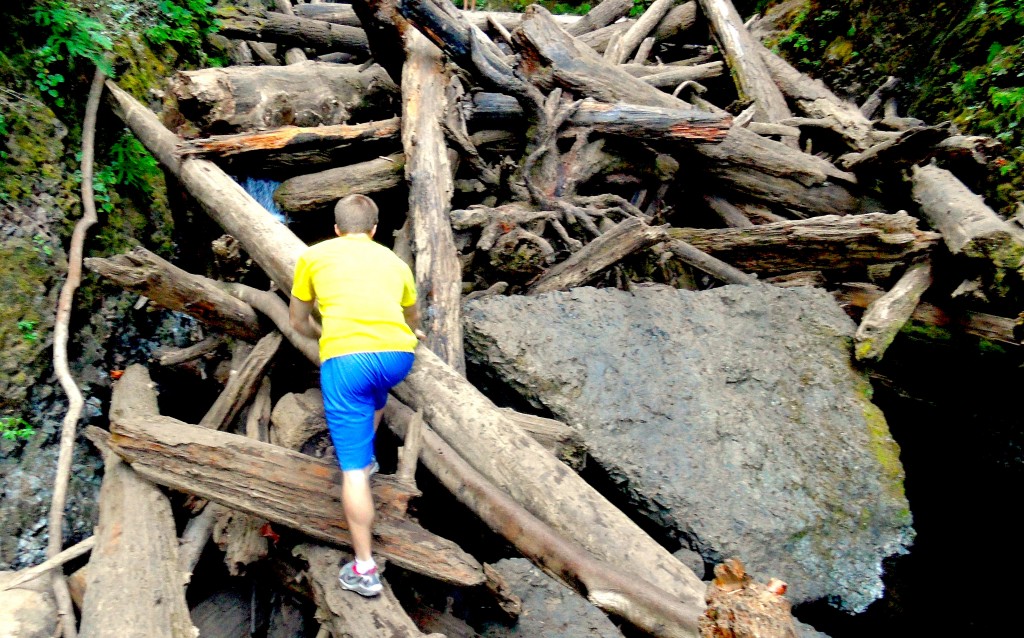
pixel 136 543
pixel 968 226
pixel 671 77
pixel 741 50
pixel 607 586
pixel 242 386
pixel 886 315
pixel 599 16
pixel 820 243
pixel 936 321
pixel 348 615
pixel 292 31
pixel 229 100
pixel 627 44
pixel 491 443
pixel 898 154
pixel 282 486
pixel 429 175
pixel 171 287
pixel 348 15
pixel 318 191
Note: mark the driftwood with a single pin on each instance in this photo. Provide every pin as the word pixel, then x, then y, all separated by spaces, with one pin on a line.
pixel 749 71
pixel 136 543
pixel 242 386
pixel 556 437
pixel 25 575
pixel 282 486
pixel 603 14
pixel 886 315
pixel 317 191
pixel 627 44
pixel 233 99
pixel 271 305
pixel 701 260
pixel 171 287
pixel 820 243
pixel 295 31
pixel 429 175
pixel 968 226
pixel 165 356
pixel 350 616
pixel 611 587
pixel 986 326
pixel 731 215
pixel 892 156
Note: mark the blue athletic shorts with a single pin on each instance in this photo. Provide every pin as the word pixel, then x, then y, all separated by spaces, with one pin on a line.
pixel 354 387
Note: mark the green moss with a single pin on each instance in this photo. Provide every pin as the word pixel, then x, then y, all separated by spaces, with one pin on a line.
pixel 885 450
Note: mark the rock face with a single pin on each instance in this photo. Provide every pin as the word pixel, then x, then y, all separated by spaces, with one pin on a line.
pixel 732 417
pixel 550 608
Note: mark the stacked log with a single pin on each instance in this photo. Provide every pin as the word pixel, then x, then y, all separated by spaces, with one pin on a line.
pixel 536 153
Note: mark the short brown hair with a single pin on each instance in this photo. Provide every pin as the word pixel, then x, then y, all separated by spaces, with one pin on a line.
pixel 355 214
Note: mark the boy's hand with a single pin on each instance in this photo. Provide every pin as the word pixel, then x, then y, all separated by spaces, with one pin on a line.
pixel 419 334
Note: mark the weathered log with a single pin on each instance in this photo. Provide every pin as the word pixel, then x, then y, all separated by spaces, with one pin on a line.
pixel 229 100
pixel 820 243
pixel 262 51
pixel 429 175
pixel 171 287
pixel 257 422
pixel 815 100
pixel 283 486
pixel 606 583
pixel 136 543
pixel 71 553
pixel 290 139
pixel 600 39
pixel 271 305
pixel 296 418
pixel 621 118
pixel 895 155
pixel 242 386
pixel 680 18
pixel 317 191
pixel 556 437
pixel 290 30
pixel 173 356
pixel 715 267
pixel 873 101
pixel 627 44
pixel 886 316
pixel 748 68
pixel 968 226
pixel 492 444
pixel 601 15
pixel 239 536
pixel 627 237
pixel 195 537
pixel 348 15
pixel 937 321
pixel 731 215
pixel 673 76
pixel 348 615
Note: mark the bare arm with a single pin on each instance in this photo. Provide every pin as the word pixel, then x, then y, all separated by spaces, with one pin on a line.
pixel 412 317
pixel 300 315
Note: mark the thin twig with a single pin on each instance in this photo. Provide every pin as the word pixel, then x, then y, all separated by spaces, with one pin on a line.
pixel 60 356
pixel 59 560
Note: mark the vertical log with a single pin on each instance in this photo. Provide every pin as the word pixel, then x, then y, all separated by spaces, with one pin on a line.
pixel 428 172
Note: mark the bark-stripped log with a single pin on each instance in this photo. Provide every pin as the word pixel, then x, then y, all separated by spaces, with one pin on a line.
pixel 283 486
pixel 429 175
pixel 616 590
pixel 886 315
pixel 233 99
pixel 626 238
pixel 242 386
pixel 171 287
pixel 673 76
pixel 979 324
pixel 495 447
pixel 351 616
pixel 268 241
pixel 292 31
pixel 136 543
pixel 348 14
pixel 820 243
pixel 602 15
pixel 742 54
pixel 627 44
pixel 732 216
pixel 317 191
pixel 893 156
pixel 968 226
pixel 276 310
pixel 715 267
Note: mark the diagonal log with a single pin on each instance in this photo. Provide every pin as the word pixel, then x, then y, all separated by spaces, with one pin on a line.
pixel 280 485
pixel 820 243
pixel 627 44
pixel 148 274
pixel 886 316
pixel 429 175
pixel 602 15
pixel 242 386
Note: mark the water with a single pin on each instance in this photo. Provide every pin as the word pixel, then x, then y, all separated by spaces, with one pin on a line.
pixel 262 190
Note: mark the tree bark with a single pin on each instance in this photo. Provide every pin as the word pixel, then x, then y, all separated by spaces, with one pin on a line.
pixel 318 191
pixel 672 76
pixel 886 315
pixel 489 441
pixel 968 226
pixel 820 243
pixel 282 486
pixel 136 543
pixel 271 305
pixel 614 589
pixel 292 31
pixel 891 157
pixel 742 54
pixel 242 386
pixel 429 175
pixel 166 356
pixel 171 287
pixel 556 437
pixel 701 260
pixel 233 99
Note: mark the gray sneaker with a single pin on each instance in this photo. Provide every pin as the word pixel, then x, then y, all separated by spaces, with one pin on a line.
pixel 363 584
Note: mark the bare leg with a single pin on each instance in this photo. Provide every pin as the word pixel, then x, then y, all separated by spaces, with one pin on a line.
pixel 358 503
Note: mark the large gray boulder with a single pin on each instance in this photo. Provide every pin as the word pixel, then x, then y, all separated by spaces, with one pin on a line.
pixel 732 417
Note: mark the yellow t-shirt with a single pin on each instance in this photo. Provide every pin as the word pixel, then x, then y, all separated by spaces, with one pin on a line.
pixel 361 288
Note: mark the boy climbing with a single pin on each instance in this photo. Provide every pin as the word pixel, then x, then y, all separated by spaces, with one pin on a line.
pixel 367 301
